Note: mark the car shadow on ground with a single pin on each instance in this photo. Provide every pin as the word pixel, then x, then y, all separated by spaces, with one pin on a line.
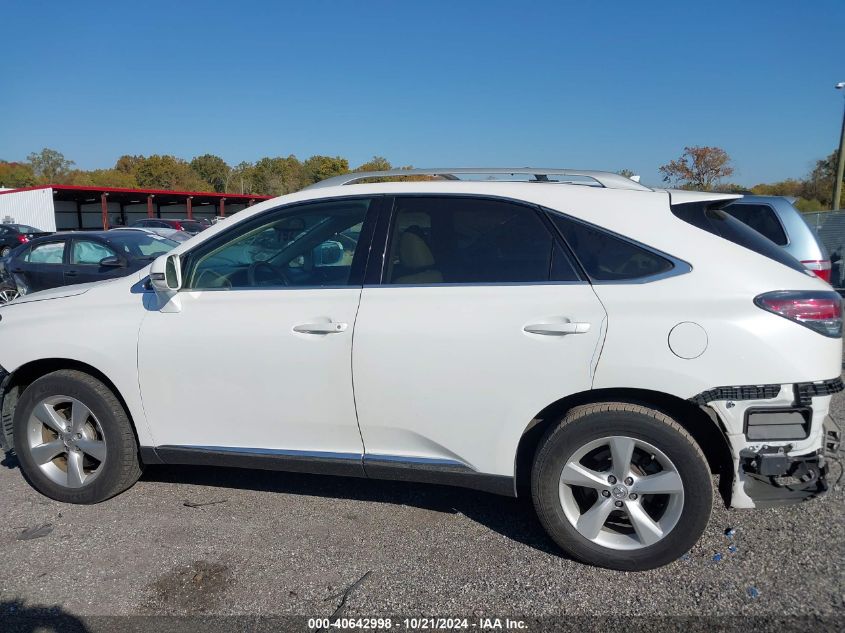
pixel 19 617
pixel 512 518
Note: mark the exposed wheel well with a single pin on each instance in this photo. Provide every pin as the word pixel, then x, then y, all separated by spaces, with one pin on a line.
pixel 706 431
pixel 25 375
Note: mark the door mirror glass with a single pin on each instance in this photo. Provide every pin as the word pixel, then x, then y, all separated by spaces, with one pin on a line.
pixel 329 253
pixel 166 274
pixel 112 261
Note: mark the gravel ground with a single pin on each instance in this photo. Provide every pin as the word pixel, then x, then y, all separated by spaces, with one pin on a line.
pixel 279 544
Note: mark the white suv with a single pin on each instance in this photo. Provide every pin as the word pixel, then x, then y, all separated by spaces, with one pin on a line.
pixel 578 337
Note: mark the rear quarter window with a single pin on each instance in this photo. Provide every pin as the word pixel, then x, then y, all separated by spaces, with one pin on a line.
pixel 607 257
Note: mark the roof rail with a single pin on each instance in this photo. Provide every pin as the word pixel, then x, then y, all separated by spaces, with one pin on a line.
pixel 606 179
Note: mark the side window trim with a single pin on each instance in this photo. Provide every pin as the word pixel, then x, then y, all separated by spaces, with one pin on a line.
pixel 378 263
pixel 357 272
pixel 679 266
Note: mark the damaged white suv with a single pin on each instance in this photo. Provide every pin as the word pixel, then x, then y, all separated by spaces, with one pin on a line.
pixel 575 336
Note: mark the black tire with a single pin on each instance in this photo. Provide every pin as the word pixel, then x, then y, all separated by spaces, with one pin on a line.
pixel 587 423
pixel 121 467
pixel 5 251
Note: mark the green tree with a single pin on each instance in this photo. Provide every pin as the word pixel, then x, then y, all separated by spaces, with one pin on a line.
pixel 128 163
pixel 14 175
pixel 791 188
pixel 376 163
pixel 319 168
pixel 103 178
pixel 626 172
pixel 819 183
pixel 698 168
pixel 49 165
pixel 212 169
pixel 278 176
pixel 241 178
pixel 168 172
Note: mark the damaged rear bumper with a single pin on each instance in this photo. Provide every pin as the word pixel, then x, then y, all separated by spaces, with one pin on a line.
pixel 773 476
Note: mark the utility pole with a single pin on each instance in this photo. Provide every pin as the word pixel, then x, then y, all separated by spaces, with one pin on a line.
pixel 840 162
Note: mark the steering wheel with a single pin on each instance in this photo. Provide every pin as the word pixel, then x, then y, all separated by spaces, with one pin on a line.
pixel 265 274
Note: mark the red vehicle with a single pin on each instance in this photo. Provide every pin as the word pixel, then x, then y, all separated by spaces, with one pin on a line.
pixel 189 226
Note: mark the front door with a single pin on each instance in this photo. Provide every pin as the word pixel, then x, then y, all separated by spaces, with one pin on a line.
pixel 479 321
pixel 84 262
pixel 257 359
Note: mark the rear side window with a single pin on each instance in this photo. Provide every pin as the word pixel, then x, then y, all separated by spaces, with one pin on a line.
pixel 607 257
pixel 717 222
pixel 443 240
pixel 49 253
pixel 761 218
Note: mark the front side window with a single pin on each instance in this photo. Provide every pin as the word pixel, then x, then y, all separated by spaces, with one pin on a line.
pixel 441 240
pixel 308 245
pixel 49 253
pixel 606 257
pixel 85 252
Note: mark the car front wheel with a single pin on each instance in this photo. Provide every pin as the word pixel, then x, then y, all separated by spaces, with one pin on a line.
pixel 74 440
pixel 621 486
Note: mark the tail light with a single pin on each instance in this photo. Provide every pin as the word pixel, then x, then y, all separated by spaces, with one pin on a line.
pixel 821 267
pixel 22 239
pixel 819 311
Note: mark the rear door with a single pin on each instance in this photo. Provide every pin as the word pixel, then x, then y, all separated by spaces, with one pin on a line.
pixel 40 267
pixel 475 321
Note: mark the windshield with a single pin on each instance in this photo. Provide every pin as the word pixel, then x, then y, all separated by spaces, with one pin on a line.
pixel 188 225
pixel 141 245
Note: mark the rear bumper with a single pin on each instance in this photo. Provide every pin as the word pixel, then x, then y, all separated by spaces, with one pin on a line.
pixel 781 439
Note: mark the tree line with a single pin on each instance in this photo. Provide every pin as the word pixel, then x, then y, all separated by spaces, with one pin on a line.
pixel 699 168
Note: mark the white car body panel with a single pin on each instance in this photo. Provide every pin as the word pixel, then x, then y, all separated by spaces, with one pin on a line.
pixel 227 370
pixel 449 373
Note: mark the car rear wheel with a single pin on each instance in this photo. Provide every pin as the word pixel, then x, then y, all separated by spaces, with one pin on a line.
pixel 621 486
pixel 74 440
pixel 5 251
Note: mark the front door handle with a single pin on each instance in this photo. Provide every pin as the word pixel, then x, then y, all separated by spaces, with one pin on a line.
pixel 320 328
pixel 71 273
pixel 557 329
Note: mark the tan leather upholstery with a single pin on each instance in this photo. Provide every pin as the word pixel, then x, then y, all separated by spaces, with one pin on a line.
pixel 414 254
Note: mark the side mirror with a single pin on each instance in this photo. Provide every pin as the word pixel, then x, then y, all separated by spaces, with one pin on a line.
pixel 328 253
pixel 113 262
pixel 166 274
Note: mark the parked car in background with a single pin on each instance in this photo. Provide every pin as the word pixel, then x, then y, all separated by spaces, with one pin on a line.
pixel 63 259
pixel 777 219
pixel 171 234
pixel 13 235
pixel 603 363
pixel 189 226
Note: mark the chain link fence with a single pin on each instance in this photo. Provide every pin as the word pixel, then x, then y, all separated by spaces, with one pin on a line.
pixel 830 226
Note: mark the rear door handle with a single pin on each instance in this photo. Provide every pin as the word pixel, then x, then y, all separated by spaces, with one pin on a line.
pixel 71 273
pixel 320 328
pixel 557 329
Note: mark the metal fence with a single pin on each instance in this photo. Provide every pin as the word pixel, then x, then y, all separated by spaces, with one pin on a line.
pixel 830 226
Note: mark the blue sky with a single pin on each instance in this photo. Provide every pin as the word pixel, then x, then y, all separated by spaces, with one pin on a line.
pixel 604 85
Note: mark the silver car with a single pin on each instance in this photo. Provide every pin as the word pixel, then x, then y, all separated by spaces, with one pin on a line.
pixel 777 219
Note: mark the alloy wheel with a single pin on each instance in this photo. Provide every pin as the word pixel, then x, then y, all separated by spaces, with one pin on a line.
pixel 621 493
pixel 7 295
pixel 66 441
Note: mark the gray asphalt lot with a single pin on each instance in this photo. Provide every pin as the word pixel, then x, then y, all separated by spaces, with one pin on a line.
pixel 279 544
